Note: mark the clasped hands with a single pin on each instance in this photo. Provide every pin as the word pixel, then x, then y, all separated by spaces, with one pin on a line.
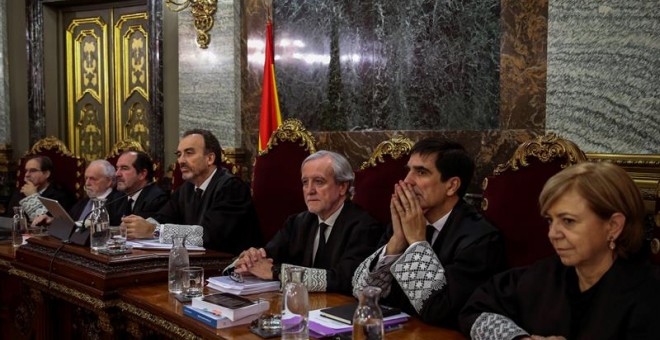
pixel 408 221
pixel 255 262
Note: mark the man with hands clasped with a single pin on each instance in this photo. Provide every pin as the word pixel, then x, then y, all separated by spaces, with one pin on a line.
pixel 330 239
pixel 438 248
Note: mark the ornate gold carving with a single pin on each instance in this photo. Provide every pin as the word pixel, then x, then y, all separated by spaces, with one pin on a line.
pixel 137 127
pixel 91 134
pixel 50 143
pixel 66 292
pixel 544 148
pixel 124 145
pixel 88 87
pixel 156 322
pixel 202 12
pixel 643 169
pixel 397 146
pixel 291 130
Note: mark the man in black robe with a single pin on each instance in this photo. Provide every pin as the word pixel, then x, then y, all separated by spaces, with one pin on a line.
pixel 213 208
pixel 330 239
pixel 38 174
pixel 135 178
pixel 438 248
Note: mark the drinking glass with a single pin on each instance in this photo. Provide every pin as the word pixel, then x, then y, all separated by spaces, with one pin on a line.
pixel 193 281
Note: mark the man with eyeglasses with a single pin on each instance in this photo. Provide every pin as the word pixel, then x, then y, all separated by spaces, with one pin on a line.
pixel 38 174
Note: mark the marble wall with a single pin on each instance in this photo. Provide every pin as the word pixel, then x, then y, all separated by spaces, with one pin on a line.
pixel 604 74
pixel 209 80
pixel 491 129
pixel 388 64
pixel 5 121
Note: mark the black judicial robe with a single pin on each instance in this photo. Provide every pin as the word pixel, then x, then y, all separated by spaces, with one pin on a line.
pixel 151 200
pixel 354 236
pixel 467 252
pixel 227 213
pixel 544 299
pixel 54 192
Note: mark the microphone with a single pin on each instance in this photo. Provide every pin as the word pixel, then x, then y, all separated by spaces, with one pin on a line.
pixel 82 224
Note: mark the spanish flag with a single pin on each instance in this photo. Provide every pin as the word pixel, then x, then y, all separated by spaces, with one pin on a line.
pixel 270 118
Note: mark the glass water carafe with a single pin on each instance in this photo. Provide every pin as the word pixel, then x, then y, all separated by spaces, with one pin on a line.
pixel 368 317
pixel 178 260
pixel 99 218
pixel 19 227
pixel 295 311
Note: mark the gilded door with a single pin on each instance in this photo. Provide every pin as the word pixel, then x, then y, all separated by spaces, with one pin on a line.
pixel 107 78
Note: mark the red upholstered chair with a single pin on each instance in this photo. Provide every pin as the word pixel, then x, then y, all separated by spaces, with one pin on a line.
pixel 655 231
pixel 510 197
pixel 374 182
pixel 276 187
pixel 69 170
pixel 234 169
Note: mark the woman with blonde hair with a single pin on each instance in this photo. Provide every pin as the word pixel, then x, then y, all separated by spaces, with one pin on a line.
pixel 594 288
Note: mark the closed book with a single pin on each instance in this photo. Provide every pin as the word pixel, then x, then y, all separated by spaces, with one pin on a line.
pixel 216 321
pixel 344 313
pixel 230 306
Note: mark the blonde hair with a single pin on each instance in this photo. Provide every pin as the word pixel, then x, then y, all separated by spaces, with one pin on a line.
pixel 607 189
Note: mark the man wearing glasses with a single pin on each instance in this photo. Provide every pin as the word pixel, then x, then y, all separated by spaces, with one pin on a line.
pixel 38 174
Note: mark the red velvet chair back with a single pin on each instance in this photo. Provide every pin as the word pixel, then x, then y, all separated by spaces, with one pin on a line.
pixel 510 197
pixel 374 182
pixel 68 170
pixel 276 187
pixel 234 169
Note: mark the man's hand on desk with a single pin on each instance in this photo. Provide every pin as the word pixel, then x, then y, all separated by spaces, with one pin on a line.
pixel 255 262
pixel 41 220
pixel 137 227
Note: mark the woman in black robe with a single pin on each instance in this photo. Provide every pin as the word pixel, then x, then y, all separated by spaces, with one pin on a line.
pixel 596 287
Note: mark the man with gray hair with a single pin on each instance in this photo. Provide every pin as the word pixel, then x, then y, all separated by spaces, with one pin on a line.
pixel 330 239
pixel 99 183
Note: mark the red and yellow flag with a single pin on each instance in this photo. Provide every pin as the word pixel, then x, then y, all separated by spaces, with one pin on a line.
pixel 270 118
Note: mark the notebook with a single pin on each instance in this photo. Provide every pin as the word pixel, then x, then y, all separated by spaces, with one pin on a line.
pixel 344 313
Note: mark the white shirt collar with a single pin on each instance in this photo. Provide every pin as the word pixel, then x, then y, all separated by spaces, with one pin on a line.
pixel 330 221
pixel 439 224
pixel 205 184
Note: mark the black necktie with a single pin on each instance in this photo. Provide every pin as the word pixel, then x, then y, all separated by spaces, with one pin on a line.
pixel 319 259
pixel 129 207
pixel 197 202
pixel 430 230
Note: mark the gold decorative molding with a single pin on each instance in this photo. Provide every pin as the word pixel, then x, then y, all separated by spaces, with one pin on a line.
pixel 5 158
pixel 643 169
pixel 202 12
pixel 124 145
pixel 544 148
pixel 49 143
pixel 156 322
pixel 397 146
pixel 291 130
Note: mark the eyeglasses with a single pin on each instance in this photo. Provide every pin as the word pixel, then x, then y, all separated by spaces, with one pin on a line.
pixel 236 277
pixel 31 171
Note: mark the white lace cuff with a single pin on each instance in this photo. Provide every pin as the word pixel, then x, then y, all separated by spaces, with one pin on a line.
pixel 419 273
pixel 496 327
pixel 315 279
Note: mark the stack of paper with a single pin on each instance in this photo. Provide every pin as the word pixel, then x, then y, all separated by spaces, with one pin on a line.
pixel 229 306
pixel 250 285
pixel 320 326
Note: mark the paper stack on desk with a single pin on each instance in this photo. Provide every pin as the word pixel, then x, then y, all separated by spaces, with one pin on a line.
pixel 250 285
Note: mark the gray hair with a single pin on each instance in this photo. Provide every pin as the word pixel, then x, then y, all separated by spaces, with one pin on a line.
pixel 108 169
pixel 340 166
